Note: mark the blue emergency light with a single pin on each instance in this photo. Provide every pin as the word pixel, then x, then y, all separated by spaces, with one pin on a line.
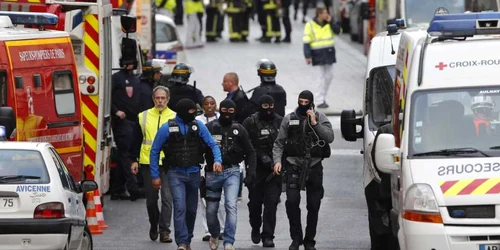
pixel 3 134
pixel 31 18
pixel 465 25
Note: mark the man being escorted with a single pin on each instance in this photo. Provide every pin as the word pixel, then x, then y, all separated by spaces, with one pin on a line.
pixel 150 121
pixel 182 140
pixel 304 138
pixel 235 147
pixel 263 127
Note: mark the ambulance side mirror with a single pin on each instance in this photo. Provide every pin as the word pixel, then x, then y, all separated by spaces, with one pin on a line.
pixel 348 125
pixel 129 24
pixel 8 120
pixel 387 154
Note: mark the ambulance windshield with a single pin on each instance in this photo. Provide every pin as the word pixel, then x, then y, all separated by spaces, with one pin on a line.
pixel 455 119
pixel 421 12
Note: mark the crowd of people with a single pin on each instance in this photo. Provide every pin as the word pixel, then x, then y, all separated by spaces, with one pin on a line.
pixel 175 143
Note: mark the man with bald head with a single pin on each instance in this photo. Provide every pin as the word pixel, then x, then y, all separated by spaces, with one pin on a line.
pixel 230 84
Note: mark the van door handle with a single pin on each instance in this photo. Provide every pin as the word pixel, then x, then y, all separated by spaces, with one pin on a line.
pixel 69 200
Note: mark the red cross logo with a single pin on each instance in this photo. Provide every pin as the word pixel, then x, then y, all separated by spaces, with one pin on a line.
pixel 441 66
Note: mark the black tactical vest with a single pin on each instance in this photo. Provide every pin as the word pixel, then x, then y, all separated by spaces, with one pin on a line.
pixel 183 150
pixel 179 92
pixel 302 138
pixel 230 141
pixel 264 134
pixel 276 92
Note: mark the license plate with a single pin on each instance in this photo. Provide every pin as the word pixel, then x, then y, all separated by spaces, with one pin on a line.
pixel 489 247
pixel 8 203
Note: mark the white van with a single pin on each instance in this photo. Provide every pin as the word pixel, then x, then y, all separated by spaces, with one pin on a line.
pixel 444 155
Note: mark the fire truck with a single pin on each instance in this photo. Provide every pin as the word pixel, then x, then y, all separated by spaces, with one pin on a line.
pixel 93 34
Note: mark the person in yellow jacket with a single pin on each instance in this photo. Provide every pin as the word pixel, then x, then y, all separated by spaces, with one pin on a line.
pixel 319 51
pixel 166 7
pixel 194 10
pixel 273 25
pixel 150 121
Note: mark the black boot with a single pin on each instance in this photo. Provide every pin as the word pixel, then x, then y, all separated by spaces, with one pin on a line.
pixel 287 39
pixel 294 246
pixel 255 236
pixel 153 233
pixel 268 242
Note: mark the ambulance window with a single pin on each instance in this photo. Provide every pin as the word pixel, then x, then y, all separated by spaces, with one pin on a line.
pixel 64 94
pixel 379 99
pixel 3 89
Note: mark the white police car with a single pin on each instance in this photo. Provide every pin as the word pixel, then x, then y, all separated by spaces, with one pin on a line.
pixel 41 206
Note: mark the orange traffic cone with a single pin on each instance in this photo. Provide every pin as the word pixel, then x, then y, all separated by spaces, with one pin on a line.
pixel 98 209
pixel 91 215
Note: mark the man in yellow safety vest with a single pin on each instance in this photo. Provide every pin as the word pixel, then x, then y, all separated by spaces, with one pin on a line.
pixel 319 50
pixel 150 121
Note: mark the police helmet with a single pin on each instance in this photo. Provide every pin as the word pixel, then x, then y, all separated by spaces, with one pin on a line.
pixel 482 104
pixel 181 73
pixel 149 68
pixel 267 71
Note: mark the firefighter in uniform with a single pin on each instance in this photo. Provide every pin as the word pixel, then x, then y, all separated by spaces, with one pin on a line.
pixel 151 75
pixel 179 89
pixel 235 12
pixel 261 17
pixel 304 138
pixel 235 147
pixel 273 25
pixel 183 141
pixel 247 14
pixel 319 51
pixel 213 10
pixel 482 108
pixel 263 127
pixel 150 121
pixel 125 106
pixel 267 72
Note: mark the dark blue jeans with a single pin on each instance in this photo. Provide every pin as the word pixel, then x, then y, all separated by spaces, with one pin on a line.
pixel 184 188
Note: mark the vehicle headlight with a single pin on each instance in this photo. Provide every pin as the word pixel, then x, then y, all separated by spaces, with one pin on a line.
pixel 420 204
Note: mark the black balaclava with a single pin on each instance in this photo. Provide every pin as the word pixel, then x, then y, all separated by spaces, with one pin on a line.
pixel 302 109
pixel 266 114
pixel 183 107
pixel 226 118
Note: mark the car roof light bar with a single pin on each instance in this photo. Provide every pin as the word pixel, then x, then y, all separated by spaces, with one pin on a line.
pixel 465 25
pixel 31 18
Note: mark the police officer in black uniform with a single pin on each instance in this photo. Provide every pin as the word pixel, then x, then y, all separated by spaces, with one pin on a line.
pixel 263 127
pixel 179 89
pixel 304 138
pixel 267 72
pixel 235 146
pixel 151 75
pixel 125 106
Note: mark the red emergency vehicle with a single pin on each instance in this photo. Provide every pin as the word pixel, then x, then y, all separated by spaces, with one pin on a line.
pixel 38 79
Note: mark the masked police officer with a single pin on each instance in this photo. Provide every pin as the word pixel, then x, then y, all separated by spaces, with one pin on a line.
pixel 267 72
pixel 179 89
pixel 263 127
pixel 182 140
pixel 235 147
pixel 304 138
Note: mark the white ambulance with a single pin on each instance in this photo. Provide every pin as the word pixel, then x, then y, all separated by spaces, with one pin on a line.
pixel 444 155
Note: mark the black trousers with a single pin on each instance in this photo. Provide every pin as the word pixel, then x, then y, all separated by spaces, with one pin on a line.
pixel 179 12
pixel 122 175
pixel 286 17
pixel 273 25
pixel 261 17
pixel 235 25
pixel 379 204
pixel 246 22
pixel 267 194
pixel 212 21
pixel 220 24
pixel 314 195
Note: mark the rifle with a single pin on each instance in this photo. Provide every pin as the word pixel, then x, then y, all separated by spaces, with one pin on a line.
pixel 250 90
pixel 304 174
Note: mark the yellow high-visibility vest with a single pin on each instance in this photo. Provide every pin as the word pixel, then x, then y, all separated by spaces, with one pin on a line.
pixel 150 121
pixel 193 7
pixel 167 4
pixel 318 37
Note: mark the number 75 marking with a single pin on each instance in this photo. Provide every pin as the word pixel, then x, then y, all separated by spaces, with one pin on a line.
pixel 8 203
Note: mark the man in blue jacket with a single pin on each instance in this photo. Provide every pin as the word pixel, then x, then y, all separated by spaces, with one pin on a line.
pixel 183 140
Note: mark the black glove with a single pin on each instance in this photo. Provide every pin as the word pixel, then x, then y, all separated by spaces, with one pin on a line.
pixel 249 180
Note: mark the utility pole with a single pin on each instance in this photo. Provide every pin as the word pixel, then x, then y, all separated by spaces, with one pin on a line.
pixel 153 28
